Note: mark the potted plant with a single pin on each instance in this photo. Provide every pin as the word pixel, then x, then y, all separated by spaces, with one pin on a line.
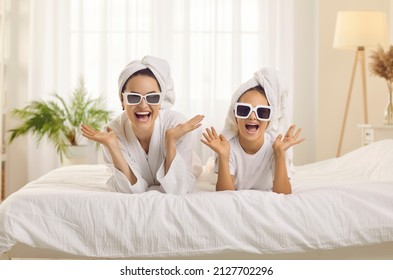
pixel 60 121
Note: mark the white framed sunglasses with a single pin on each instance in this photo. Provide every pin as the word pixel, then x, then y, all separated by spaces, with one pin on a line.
pixel 133 98
pixel 244 110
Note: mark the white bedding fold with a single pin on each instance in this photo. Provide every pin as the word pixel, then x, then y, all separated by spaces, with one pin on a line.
pixel 70 210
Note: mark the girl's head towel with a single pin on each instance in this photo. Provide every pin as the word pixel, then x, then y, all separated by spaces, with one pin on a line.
pixel 276 94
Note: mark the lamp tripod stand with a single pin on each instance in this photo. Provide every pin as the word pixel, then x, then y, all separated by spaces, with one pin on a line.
pixel 359 58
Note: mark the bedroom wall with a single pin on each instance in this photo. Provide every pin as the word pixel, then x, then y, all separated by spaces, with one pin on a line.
pixel 18 88
pixel 305 78
pixel 334 72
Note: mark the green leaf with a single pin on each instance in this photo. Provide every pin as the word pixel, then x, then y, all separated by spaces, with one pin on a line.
pixel 59 120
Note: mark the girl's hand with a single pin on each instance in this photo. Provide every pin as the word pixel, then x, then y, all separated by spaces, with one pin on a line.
pixel 174 133
pixel 102 137
pixel 290 139
pixel 217 143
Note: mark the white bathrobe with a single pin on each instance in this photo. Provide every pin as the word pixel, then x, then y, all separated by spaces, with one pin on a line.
pixel 149 169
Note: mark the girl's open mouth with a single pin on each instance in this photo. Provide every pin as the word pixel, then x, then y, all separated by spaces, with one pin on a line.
pixel 252 128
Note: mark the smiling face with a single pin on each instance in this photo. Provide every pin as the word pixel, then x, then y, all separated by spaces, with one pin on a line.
pixel 143 115
pixel 251 130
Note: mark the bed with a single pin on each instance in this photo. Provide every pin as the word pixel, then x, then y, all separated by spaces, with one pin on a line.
pixel 340 208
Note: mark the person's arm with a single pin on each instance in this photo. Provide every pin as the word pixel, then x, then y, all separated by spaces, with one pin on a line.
pixel 220 145
pixel 109 140
pixel 281 182
pixel 173 134
pixel 175 173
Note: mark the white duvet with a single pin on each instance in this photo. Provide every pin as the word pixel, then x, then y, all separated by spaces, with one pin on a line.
pixel 335 203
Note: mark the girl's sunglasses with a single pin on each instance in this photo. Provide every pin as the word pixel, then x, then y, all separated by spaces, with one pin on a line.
pixel 244 110
pixel 133 98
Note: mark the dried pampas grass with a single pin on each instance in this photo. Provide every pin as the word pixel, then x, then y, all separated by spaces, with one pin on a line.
pixel 382 64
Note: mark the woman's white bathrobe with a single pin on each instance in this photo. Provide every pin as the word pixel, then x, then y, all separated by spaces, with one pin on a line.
pixel 149 169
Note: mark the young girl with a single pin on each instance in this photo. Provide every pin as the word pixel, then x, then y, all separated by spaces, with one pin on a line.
pixel 254 156
pixel 148 144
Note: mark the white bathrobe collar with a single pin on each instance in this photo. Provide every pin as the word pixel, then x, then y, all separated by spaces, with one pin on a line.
pixel 150 161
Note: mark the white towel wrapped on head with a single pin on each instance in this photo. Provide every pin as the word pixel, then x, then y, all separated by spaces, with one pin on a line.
pixel 161 71
pixel 276 94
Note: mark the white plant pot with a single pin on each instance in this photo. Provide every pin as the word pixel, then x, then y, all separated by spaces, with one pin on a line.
pixel 76 155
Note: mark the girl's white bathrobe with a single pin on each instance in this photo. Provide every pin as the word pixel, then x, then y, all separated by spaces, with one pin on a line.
pixel 149 169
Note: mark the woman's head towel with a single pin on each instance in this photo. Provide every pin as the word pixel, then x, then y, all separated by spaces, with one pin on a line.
pixel 161 71
pixel 276 94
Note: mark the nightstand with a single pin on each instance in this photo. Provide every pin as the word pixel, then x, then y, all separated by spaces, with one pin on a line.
pixel 372 133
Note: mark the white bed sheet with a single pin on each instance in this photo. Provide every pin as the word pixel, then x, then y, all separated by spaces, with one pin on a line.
pixel 336 203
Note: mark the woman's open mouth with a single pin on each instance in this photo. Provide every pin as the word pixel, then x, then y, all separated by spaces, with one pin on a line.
pixel 143 116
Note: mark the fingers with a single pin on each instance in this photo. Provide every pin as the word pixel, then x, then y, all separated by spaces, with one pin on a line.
pixel 207 137
pixel 87 128
pixel 192 124
pixel 206 143
pixel 210 133
pixel 300 141
pixel 222 138
pixel 214 133
pixel 87 131
pixel 297 133
pixel 211 136
pixel 290 131
pixel 290 139
pixel 195 120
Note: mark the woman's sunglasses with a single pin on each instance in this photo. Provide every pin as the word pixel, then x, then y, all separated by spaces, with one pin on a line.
pixel 133 98
pixel 244 110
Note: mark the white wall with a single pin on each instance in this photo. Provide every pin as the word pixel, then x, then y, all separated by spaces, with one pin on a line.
pixel 334 72
pixel 18 82
pixel 305 78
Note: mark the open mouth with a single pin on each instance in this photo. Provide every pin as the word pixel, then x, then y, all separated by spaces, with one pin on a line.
pixel 252 128
pixel 143 116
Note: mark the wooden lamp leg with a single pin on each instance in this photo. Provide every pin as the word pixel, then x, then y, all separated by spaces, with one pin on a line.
pixel 364 87
pixel 347 104
pixel 359 57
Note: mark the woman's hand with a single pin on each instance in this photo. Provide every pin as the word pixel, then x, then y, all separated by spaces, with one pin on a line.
pixel 290 139
pixel 102 137
pixel 175 133
pixel 217 143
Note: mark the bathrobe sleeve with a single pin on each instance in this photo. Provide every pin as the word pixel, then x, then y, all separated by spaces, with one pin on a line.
pixel 179 179
pixel 119 182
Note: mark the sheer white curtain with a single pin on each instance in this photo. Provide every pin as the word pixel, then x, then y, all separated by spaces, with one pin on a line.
pixel 212 46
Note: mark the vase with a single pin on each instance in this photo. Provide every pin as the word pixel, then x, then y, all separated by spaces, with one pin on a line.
pixel 388 116
pixel 76 155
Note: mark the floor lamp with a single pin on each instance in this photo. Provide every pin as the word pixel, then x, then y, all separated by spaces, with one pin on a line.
pixel 358 30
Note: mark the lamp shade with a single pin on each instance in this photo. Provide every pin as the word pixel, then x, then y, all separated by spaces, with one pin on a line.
pixel 360 29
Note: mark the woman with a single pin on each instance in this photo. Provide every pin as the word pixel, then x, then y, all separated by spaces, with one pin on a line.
pixel 148 146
